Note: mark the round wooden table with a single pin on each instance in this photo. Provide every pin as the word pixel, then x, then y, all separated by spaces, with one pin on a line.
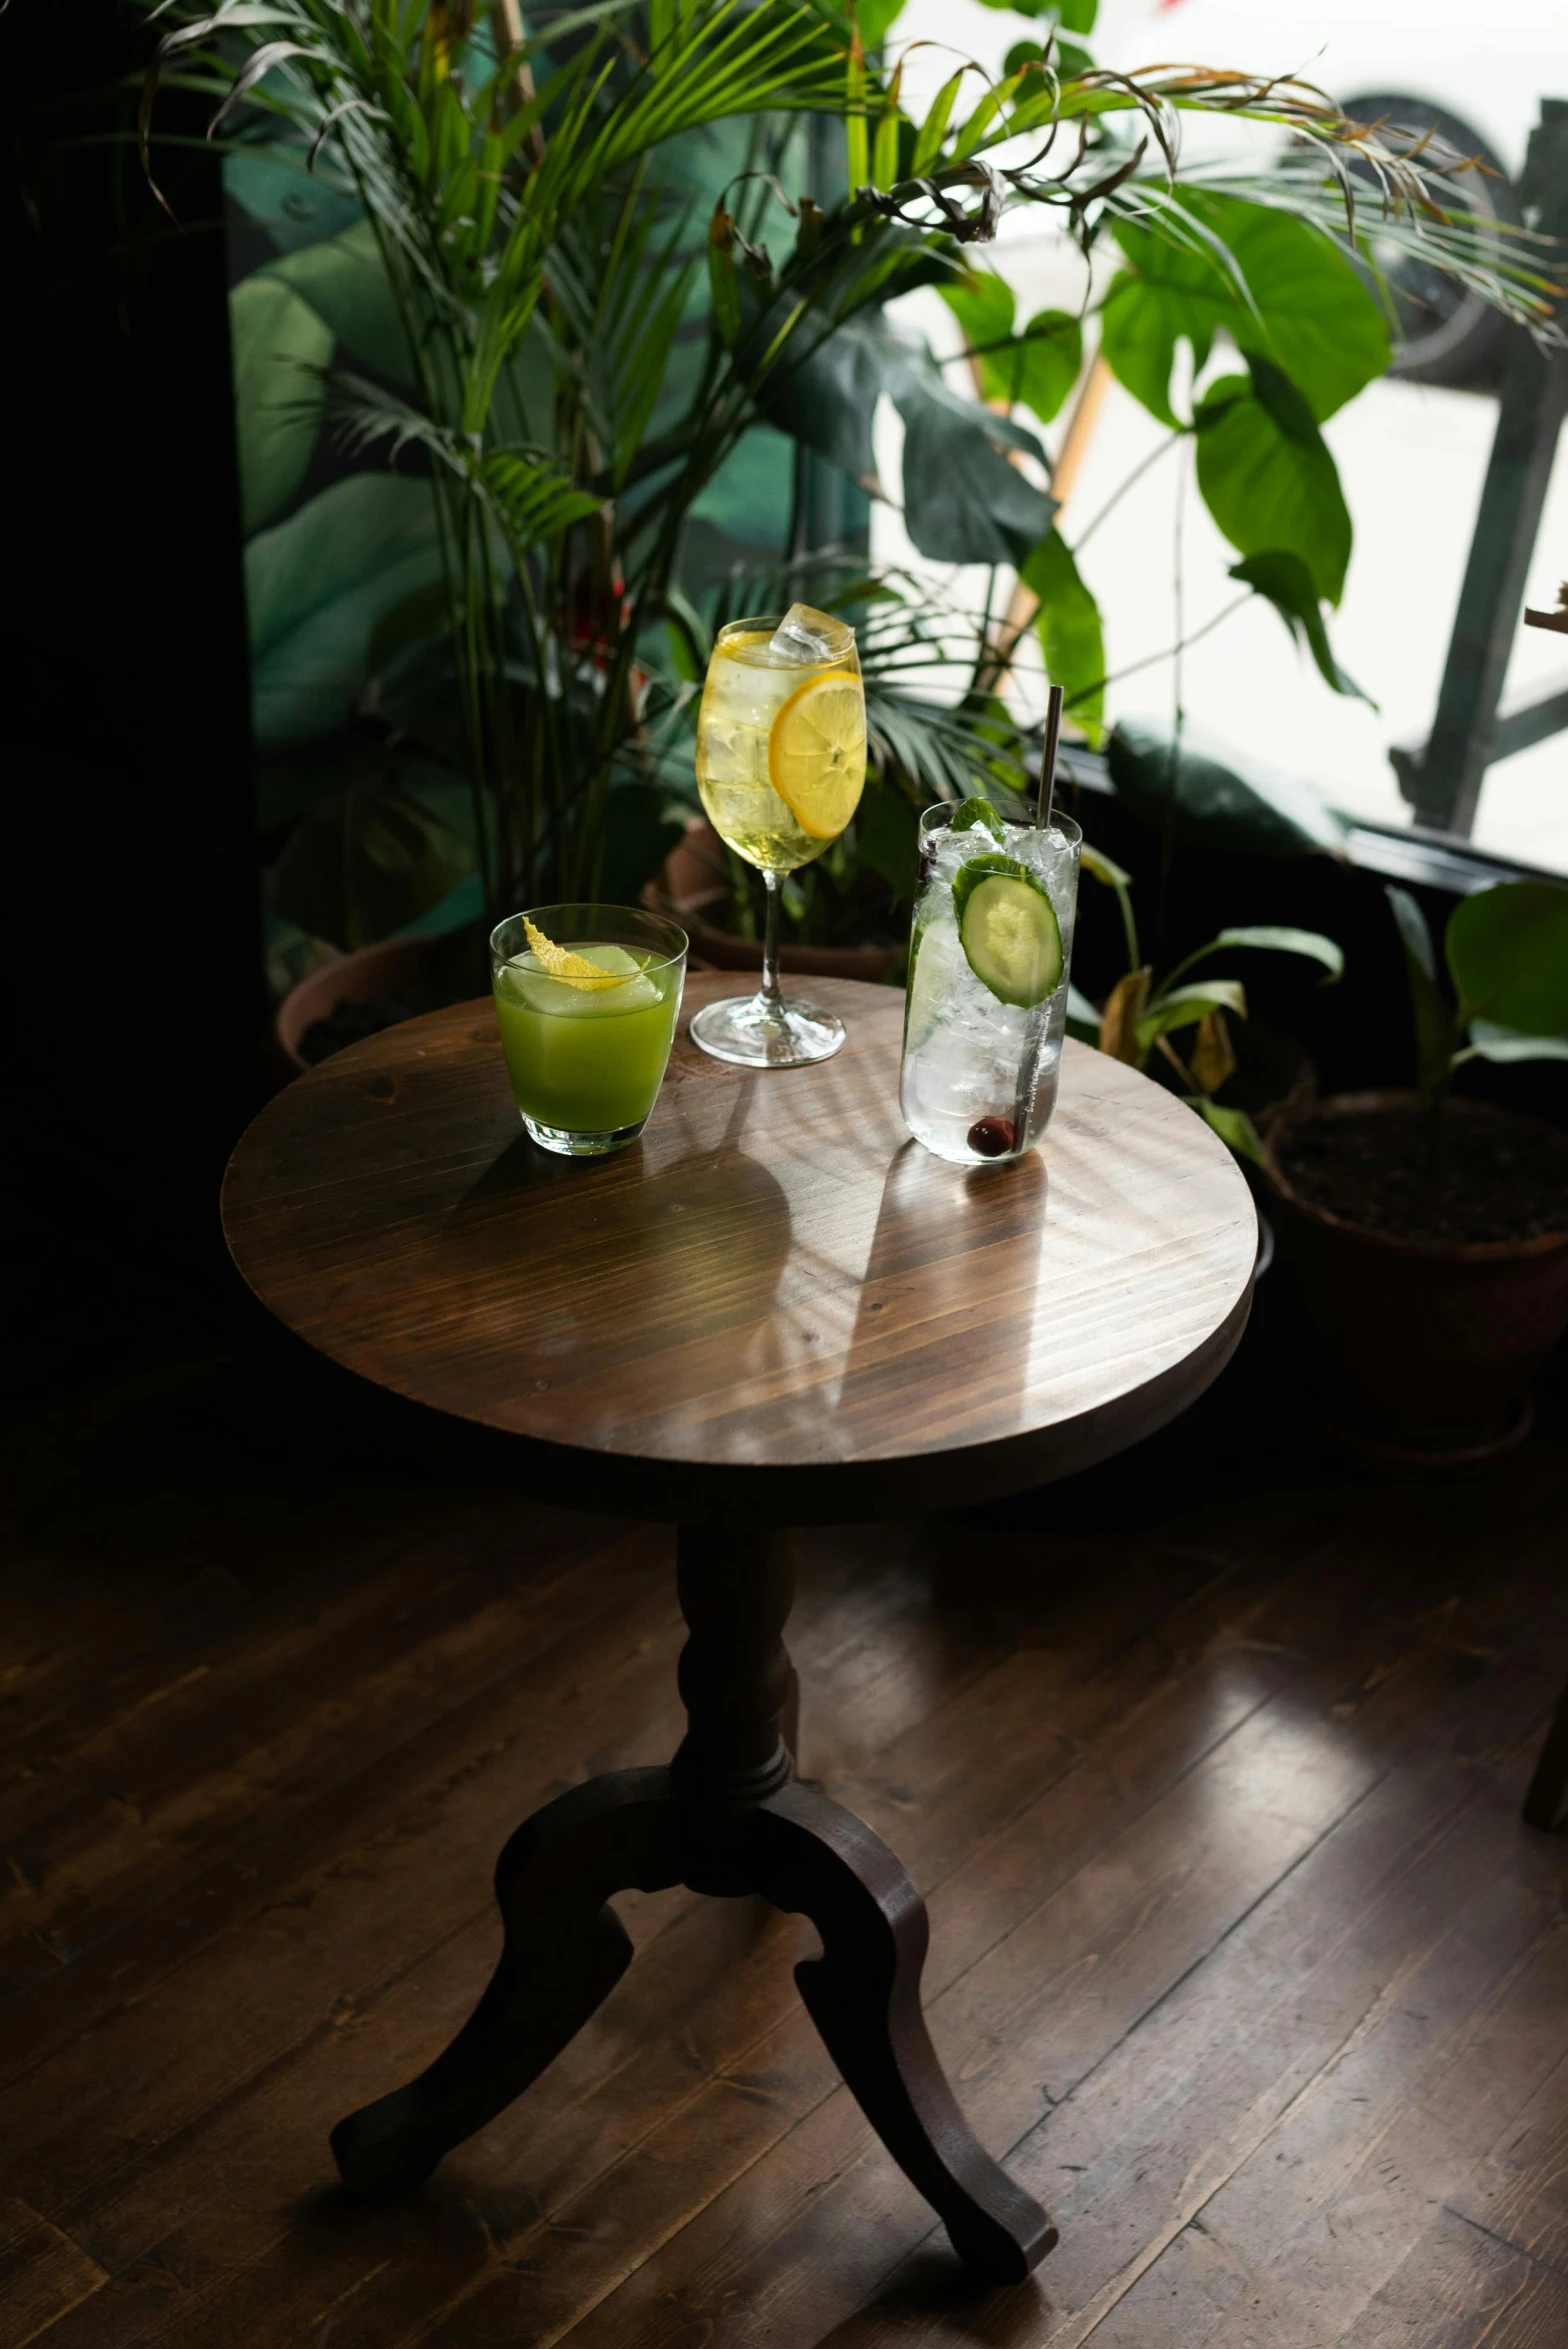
pixel 774 1309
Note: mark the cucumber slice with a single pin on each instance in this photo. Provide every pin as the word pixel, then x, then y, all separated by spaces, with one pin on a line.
pixel 975 811
pixel 1008 929
pixel 934 965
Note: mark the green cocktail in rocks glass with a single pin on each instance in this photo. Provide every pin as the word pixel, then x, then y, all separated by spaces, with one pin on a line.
pixel 587 997
pixel 987 997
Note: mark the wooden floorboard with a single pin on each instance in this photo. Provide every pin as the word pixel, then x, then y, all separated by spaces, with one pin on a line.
pixel 1239 1948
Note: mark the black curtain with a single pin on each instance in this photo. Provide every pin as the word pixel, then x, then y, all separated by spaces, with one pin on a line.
pixel 135 989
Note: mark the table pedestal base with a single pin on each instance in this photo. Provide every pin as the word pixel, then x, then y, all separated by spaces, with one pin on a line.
pixel 727 1817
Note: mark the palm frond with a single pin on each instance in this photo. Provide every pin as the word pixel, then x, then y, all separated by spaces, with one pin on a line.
pixel 1349 177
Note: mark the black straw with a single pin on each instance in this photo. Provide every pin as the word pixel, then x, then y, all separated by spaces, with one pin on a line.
pixel 1053 728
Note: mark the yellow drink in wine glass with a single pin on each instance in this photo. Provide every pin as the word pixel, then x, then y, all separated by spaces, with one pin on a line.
pixel 781 764
pixel 781 741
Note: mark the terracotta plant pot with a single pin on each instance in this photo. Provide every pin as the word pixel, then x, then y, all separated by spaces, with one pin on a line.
pixel 392 967
pixel 691 886
pixel 1429 1348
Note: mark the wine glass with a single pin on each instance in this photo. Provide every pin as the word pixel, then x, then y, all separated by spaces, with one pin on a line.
pixel 781 764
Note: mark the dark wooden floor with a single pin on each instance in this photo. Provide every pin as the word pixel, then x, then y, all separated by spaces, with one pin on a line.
pixel 1238 1943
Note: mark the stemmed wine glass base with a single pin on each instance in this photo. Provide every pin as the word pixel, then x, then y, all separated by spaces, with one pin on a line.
pixel 765 1031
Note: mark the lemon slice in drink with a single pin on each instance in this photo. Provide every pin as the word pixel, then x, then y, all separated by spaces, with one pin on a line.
pixel 817 754
pixel 575 969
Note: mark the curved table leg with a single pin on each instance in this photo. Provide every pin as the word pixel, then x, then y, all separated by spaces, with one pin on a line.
pixel 725 1818
pixel 564 1952
pixel 863 1994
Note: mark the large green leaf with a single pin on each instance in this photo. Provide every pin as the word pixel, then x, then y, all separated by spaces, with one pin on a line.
pixel 279 346
pixel 1284 581
pixel 1215 807
pixel 984 305
pixel 1269 482
pixel 1507 953
pixel 1038 365
pixel 316 587
pixel 876 18
pixel 1309 312
pixel 964 501
pixel 1042 365
pixel 1071 635
pixel 823 392
pixel 343 280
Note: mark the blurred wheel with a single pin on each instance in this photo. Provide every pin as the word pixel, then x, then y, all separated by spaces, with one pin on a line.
pixel 1444 332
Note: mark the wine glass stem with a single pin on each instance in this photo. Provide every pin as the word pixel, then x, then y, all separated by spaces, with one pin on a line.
pixel 770 940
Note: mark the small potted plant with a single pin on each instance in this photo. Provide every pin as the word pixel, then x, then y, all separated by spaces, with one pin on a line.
pixel 1143 1012
pixel 1429 1233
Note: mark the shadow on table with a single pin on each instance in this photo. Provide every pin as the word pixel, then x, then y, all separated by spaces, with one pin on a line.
pixel 523 1166
pixel 922 1219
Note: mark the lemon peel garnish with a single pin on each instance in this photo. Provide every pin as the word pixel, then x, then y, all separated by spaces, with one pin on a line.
pixel 561 963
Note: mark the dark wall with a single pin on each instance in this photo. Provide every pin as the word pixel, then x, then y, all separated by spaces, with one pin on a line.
pixel 135 972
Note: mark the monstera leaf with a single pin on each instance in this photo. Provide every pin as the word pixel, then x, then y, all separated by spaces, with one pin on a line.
pixel 1038 365
pixel 823 392
pixel 1071 635
pixel 1267 477
pixel 1284 581
pixel 1303 307
pixel 965 501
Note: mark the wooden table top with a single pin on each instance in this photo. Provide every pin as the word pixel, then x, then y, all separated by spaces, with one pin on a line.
pixel 775 1299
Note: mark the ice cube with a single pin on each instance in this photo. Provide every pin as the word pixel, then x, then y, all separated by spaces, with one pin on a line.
pixel 613 959
pixel 809 637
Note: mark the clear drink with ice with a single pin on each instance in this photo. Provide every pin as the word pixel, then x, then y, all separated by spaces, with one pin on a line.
pixel 987 997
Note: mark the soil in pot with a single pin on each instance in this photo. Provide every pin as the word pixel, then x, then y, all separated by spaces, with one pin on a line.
pixel 1485 1176
pixel 1435 1289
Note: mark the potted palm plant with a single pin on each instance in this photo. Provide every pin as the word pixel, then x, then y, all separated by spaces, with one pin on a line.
pixel 540 353
pixel 1430 1232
